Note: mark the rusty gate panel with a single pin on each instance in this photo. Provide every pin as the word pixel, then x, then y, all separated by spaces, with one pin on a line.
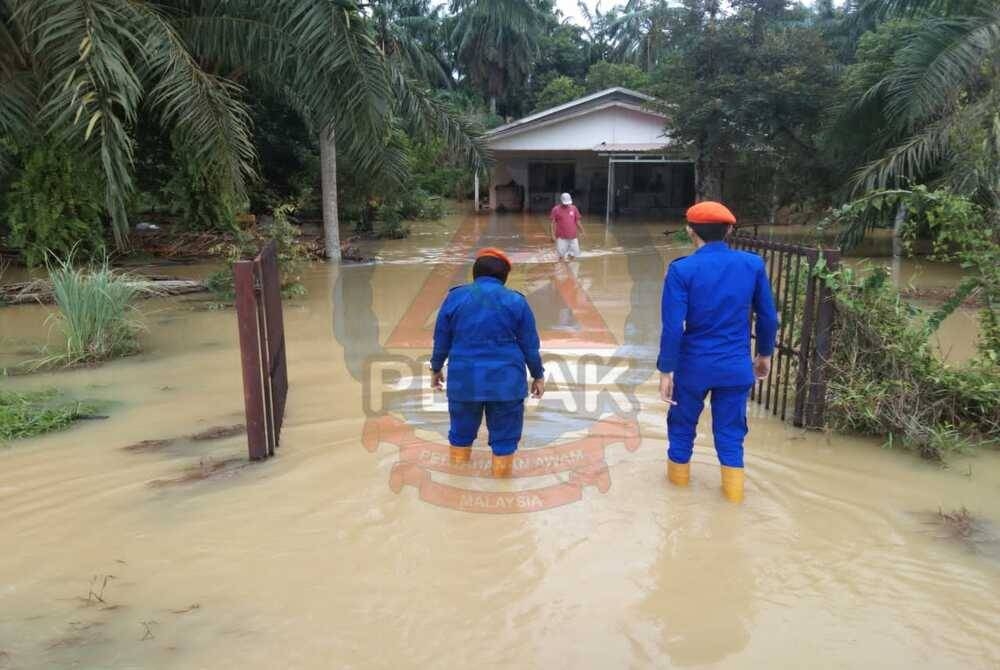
pixel 262 349
pixel 806 312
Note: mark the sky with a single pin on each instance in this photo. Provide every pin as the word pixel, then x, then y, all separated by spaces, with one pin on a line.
pixel 570 10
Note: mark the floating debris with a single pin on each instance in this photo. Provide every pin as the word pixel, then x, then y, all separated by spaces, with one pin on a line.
pixel 963 527
pixel 219 432
pixel 40 290
pixel 149 445
pixel 206 469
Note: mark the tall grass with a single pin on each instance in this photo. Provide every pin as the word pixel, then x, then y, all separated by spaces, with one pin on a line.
pixel 97 316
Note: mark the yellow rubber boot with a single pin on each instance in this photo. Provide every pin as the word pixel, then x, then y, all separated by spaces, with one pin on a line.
pixel 503 466
pixel 459 455
pixel 679 474
pixel 732 484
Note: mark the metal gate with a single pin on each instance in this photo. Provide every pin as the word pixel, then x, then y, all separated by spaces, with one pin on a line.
pixel 806 310
pixel 262 349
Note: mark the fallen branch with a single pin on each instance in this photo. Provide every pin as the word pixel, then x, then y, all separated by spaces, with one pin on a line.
pixel 40 290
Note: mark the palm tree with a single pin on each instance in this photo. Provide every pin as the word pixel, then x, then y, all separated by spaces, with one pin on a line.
pixel 496 42
pixel 641 33
pixel 941 98
pixel 85 68
pixel 80 72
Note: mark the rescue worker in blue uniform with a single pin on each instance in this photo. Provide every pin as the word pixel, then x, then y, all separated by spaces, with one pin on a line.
pixel 487 334
pixel 705 343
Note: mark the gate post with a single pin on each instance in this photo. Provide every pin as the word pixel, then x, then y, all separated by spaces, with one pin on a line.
pixel 250 356
pixel 805 345
pixel 816 412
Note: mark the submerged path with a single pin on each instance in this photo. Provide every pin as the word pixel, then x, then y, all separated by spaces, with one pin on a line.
pixel 360 546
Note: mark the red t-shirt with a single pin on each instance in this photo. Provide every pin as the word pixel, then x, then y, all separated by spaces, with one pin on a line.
pixel 565 218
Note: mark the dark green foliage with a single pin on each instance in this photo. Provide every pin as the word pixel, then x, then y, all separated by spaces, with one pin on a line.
pixel 54 204
pixel 603 74
pixel 31 413
pixel 558 91
pixel 737 91
pixel 201 199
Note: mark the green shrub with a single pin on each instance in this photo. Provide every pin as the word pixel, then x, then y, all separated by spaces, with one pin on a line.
pixel 201 198
pixel 291 254
pixel 603 74
pixel 96 313
pixel 885 379
pixel 35 412
pixel 54 204
pixel 558 91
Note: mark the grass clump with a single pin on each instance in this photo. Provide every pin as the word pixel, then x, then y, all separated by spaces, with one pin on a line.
pixel 31 413
pixel 885 380
pixel 96 315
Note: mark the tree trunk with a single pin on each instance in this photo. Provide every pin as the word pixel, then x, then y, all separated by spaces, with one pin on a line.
pixel 328 181
pixel 897 246
pixel 493 105
pixel 708 178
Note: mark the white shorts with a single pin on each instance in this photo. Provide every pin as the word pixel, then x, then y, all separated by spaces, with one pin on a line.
pixel 568 247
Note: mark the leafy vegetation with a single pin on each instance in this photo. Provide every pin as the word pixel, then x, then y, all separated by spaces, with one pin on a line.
pixel 96 318
pixel 885 379
pixel 291 255
pixel 54 205
pixel 30 413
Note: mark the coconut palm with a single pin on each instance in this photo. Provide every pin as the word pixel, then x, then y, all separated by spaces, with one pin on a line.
pixel 641 33
pixel 496 42
pixel 941 98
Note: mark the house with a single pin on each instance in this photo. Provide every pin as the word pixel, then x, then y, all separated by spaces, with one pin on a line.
pixel 608 149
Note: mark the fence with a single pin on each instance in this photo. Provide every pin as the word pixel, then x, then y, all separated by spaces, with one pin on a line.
pixel 262 349
pixel 806 308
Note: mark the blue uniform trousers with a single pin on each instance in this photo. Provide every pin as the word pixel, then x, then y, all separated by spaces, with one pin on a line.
pixel 729 422
pixel 504 420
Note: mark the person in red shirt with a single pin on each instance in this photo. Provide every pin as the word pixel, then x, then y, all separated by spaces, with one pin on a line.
pixel 566 227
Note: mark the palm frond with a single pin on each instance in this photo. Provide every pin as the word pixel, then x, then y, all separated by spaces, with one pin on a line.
pixel 428 116
pixel 937 65
pixel 92 91
pixel 911 159
pixel 212 122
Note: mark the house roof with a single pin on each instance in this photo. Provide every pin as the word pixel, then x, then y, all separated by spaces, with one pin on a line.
pixel 617 96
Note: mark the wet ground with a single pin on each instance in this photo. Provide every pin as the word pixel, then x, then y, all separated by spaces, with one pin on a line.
pixel 128 543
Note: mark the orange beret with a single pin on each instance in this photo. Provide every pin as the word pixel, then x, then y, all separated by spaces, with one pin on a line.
pixel 495 253
pixel 710 212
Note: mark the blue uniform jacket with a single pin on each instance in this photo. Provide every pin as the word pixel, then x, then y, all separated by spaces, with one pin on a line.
pixel 487 333
pixel 707 298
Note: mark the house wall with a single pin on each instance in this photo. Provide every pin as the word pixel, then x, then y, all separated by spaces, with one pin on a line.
pixel 514 166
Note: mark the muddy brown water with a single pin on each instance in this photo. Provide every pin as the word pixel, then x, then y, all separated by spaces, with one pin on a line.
pixel 313 560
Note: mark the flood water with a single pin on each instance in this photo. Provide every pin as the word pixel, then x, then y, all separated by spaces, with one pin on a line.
pixel 356 547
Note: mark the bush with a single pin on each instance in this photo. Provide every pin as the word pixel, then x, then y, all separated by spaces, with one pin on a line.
pixel 54 204
pixel 885 379
pixel 201 198
pixel 603 74
pixel 97 314
pixel 558 91
pixel 36 412
pixel 291 255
